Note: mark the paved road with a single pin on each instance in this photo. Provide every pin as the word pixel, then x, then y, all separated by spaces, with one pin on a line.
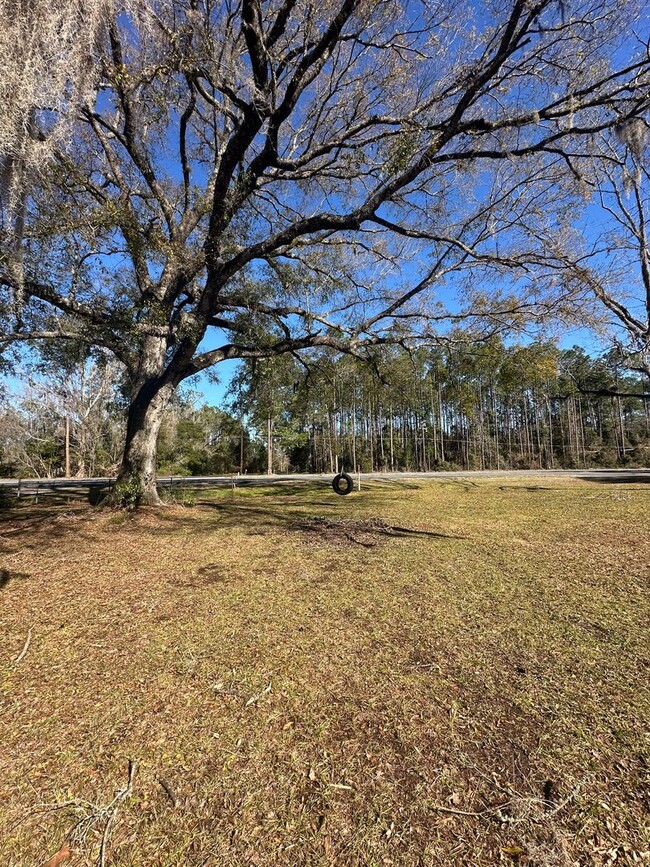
pixel 29 487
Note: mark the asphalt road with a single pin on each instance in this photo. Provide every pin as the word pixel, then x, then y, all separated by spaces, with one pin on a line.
pixel 29 487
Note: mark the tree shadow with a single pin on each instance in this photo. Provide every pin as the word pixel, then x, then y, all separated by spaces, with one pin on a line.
pixel 533 488
pixel 233 515
pixel 282 488
pixel 98 496
pixel 211 574
pixel 30 515
pixel 6 577
pixel 39 525
pixel 461 482
pixel 258 519
pixel 33 495
pixel 388 485
pixel 367 532
pixel 631 477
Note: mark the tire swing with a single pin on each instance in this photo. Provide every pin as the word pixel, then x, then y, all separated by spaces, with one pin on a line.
pixel 343 484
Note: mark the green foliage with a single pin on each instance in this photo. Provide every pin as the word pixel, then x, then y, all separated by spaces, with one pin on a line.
pixel 179 496
pixel 463 406
pixel 401 150
pixel 195 442
pixel 127 493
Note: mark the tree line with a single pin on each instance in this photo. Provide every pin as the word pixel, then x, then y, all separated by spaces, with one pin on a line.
pixel 487 406
pixel 70 421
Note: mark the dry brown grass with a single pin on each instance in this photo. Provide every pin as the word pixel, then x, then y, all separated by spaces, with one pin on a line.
pixel 472 693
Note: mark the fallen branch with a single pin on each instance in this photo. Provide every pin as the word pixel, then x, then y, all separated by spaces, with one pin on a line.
pixel 492 811
pixel 22 653
pixel 90 817
pixel 111 811
pixel 569 797
pixel 169 791
pixel 438 809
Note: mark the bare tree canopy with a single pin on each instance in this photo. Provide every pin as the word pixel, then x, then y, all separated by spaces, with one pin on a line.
pixel 297 174
pixel 614 262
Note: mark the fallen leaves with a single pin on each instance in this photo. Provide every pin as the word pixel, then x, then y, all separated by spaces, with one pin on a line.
pixel 255 698
pixel 422 692
pixel 64 854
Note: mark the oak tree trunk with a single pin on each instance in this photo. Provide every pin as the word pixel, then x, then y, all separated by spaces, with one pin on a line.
pixel 136 480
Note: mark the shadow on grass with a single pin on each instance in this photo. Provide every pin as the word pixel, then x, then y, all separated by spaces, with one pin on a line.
pixel 633 477
pixel 10 503
pixel 280 488
pixel 39 525
pixel 389 485
pixel 30 514
pixel 258 519
pixel 255 518
pixel 6 577
pixel 293 488
pixel 255 511
pixel 98 496
pixel 534 488
pixel 283 489
pixel 458 483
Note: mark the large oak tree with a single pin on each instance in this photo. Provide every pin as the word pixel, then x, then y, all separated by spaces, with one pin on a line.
pixel 286 174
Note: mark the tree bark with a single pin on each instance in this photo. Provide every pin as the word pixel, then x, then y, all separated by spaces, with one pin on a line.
pixel 136 480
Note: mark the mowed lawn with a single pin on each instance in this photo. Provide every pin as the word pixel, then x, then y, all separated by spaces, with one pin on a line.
pixel 295 689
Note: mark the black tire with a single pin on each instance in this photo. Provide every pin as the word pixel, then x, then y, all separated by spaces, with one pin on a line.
pixel 343 484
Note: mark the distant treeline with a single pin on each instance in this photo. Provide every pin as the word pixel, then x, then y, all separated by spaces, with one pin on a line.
pixel 482 406
pixel 487 406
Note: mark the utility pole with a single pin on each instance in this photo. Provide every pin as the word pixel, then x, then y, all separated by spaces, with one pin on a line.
pixel 269 446
pixel 67 437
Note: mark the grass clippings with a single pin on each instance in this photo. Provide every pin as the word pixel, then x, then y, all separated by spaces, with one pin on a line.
pixel 424 675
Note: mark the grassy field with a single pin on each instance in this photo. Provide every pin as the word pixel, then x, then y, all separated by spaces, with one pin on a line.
pixel 420 674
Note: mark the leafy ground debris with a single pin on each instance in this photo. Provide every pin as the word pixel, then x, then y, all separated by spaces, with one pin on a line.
pixel 473 690
pixel 365 532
